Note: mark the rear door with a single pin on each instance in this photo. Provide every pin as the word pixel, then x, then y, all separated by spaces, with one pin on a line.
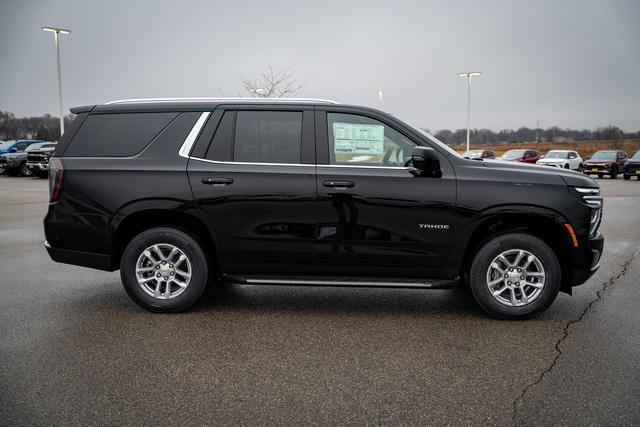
pixel 376 218
pixel 253 173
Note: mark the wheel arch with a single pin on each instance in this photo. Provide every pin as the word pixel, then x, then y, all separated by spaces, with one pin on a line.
pixel 141 220
pixel 543 223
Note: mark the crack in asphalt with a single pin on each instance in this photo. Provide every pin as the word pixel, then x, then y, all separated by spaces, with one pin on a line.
pixel 565 334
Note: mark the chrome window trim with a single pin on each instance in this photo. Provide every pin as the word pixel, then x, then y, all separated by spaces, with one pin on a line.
pixel 250 163
pixel 294 164
pixel 185 149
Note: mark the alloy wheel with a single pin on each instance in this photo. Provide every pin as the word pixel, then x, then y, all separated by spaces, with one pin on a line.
pixel 163 271
pixel 516 277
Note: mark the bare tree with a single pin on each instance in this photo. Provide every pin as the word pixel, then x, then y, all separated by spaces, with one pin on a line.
pixel 274 84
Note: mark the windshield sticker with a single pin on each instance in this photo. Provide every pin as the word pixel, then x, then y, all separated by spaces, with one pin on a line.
pixel 358 139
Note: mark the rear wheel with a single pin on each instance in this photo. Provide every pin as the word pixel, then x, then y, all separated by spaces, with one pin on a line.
pixel 42 174
pixel 614 173
pixel 164 270
pixel 515 276
pixel 627 177
pixel 566 166
pixel 600 175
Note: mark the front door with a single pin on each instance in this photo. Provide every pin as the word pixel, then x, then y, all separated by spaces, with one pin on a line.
pixel 256 184
pixel 375 217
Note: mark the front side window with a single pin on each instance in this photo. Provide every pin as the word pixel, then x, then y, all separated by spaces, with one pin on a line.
pixel 268 137
pixel 359 140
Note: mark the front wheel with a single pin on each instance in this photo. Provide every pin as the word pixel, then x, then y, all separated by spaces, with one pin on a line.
pixel 614 173
pixel 25 170
pixel 164 270
pixel 515 276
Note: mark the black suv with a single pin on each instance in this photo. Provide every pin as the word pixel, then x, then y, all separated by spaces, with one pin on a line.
pixel 178 194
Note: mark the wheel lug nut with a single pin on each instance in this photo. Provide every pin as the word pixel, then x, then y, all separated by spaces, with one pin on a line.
pixel 172 273
pixel 171 265
pixel 166 278
pixel 521 277
pixel 164 262
pixel 508 283
pixel 158 275
pixel 157 267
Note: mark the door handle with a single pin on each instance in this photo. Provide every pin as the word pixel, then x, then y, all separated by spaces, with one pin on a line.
pixel 217 181
pixel 339 185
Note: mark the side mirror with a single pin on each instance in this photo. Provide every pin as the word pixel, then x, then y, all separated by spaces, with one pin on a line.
pixel 14 150
pixel 426 162
pixel 542 156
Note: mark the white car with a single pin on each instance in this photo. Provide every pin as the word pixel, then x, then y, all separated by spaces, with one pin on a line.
pixel 566 159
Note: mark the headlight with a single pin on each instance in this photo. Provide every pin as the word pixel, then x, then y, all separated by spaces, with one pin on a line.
pixel 592 197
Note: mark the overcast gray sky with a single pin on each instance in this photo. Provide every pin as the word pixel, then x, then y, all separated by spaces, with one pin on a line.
pixel 569 63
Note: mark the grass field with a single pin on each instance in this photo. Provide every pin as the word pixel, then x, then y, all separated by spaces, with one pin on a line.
pixel 585 148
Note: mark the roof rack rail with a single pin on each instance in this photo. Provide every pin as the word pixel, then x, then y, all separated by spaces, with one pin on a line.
pixel 275 100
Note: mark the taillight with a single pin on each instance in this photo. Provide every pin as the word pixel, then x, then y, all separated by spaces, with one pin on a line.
pixel 56 178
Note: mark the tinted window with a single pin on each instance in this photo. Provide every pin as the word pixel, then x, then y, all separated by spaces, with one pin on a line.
pixel 220 147
pixel 268 137
pixel 360 140
pixel 117 135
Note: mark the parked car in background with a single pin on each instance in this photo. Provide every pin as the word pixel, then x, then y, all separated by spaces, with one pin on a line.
pixel 17 145
pixel 479 154
pixel 38 156
pixel 525 156
pixel 566 159
pixel 606 162
pixel 15 163
pixel 632 167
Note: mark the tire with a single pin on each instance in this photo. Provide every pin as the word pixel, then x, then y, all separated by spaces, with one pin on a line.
pixel 13 171
pixel 566 166
pixel 627 177
pixel 178 298
pixel 25 170
pixel 482 269
pixel 42 174
pixel 614 173
pixel 600 175
pixel 580 168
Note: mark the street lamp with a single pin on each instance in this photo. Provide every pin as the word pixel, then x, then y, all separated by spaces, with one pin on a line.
pixel 56 34
pixel 538 130
pixel 468 75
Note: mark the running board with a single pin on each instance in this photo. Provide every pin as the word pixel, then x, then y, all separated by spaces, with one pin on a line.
pixel 342 282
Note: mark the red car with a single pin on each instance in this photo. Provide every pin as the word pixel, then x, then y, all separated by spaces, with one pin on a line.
pixel 610 162
pixel 525 156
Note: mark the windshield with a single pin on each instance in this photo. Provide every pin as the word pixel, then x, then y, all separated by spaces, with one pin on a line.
pixel 513 154
pixel 4 145
pixel 557 155
pixel 472 153
pixel 604 155
pixel 636 156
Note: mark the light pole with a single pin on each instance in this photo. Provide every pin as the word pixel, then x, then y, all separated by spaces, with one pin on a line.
pixel 538 130
pixel 56 35
pixel 468 75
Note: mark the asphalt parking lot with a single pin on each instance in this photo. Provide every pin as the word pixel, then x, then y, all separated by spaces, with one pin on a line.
pixel 75 350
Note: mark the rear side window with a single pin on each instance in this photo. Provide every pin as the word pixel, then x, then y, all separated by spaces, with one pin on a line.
pixel 117 135
pixel 268 137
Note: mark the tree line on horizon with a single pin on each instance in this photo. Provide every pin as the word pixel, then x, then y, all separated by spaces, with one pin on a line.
pixel 47 128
